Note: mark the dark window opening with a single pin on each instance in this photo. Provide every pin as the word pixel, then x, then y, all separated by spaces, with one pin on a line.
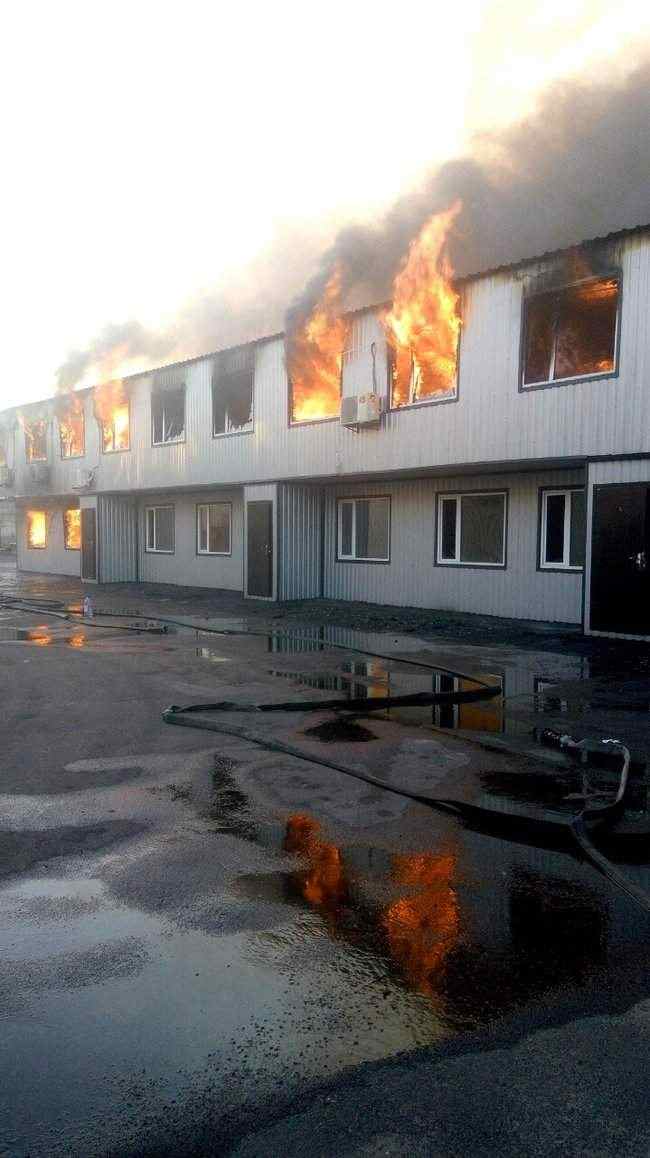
pixel 36 441
pixel 232 393
pixel 563 529
pixel 168 415
pixel 571 333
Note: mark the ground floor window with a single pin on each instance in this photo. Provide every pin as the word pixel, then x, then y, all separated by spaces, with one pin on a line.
pixel 364 529
pixel 472 529
pixel 72 529
pixel 562 538
pixel 213 528
pixel 36 528
pixel 160 529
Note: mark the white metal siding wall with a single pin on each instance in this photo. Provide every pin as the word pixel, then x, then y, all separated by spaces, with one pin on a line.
pixel 519 591
pixel 118 539
pixel 299 539
pixel 185 566
pixel 53 559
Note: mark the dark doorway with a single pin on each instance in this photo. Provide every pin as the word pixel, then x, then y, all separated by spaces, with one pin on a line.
pixel 89 543
pixel 620 559
pixel 259 548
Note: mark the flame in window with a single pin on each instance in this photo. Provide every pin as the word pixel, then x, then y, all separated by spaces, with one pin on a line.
pixel 314 356
pixel 72 529
pixel 112 411
pixel 36 529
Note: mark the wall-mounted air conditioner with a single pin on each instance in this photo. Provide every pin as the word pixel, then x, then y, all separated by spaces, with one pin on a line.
pixel 362 410
pixel 83 479
pixel 6 476
pixel 39 473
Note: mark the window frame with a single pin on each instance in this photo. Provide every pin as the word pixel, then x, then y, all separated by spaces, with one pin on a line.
pixel 458 495
pixel 431 400
pixel 213 554
pixel 120 450
pixel 160 394
pixel 353 500
pixel 159 550
pixel 65 511
pixel 43 546
pixel 43 457
pixel 250 427
pixel 551 383
pixel 544 492
pixel 72 457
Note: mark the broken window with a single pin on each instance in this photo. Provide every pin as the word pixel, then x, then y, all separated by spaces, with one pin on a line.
pixel 36 527
pixel 472 529
pixel 232 392
pixel 364 529
pixel 36 440
pixel 71 434
pixel 72 529
pixel 168 415
pixel 160 529
pixel 571 333
pixel 115 428
pixel 213 528
pixel 562 539
pixel 412 383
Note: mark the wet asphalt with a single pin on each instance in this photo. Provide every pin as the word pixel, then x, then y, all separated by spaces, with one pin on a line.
pixel 210 948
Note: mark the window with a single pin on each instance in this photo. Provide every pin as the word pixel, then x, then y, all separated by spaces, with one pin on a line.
pixel 232 392
pixel 71 434
pixel 213 528
pixel 168 415
pixel 115 429
pixel 36 527
pixel 36 440
pixel 72 529
pixel 412 383
pixel 562 539
pixel 472 529
pixel 364 529
pixel 160 529
pixel 571 333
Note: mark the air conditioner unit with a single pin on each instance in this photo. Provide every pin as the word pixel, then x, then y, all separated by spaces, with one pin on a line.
pixel 362 410
pixel 6 476
pixel 39 473
pixel 83 479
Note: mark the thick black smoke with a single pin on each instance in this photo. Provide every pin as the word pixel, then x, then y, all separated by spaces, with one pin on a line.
pixel 578 168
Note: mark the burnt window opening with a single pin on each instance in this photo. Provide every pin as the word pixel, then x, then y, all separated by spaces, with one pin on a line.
pixel 232 393
pixel 571 333
pixel 36 441
pixel 72 529
pixel 116 429
pixel 411 384
pixel 72 435
pixel 168 415
pixel 562 539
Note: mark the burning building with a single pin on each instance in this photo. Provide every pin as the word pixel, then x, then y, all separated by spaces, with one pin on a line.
pixel 473 440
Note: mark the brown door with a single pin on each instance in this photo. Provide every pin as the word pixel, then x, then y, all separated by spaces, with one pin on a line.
pixel 259 548
pixel 88 543
pixel 620 559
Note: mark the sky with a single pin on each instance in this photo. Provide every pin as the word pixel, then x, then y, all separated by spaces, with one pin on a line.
pixel 152 151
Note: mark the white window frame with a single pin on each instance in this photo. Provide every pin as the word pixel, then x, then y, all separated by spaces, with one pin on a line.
pixel 158 396
pixel 348 501
pixel 457 496
pixel 552 380
pixel 565 565
pixel 158 550
pixel 205 507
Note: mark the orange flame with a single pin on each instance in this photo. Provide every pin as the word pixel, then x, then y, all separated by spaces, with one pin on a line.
pixel 71 424
pixel 423 325
pixel 36 529
pixel 112 411
pixel 72 529
pixel 35 433
pixel 324 882
pixel 314 356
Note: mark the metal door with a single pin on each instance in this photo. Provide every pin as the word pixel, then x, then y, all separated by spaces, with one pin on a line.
pixel 259 548
pixel 89 543
pixel 620 559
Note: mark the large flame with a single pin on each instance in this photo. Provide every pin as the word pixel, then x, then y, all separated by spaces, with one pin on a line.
pixel 112 411
pixel 314 356
pixel 70 414
pixel 72 529
pixel 36 529
pixel 423 325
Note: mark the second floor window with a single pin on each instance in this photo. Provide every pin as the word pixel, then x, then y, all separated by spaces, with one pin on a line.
pixel 168 415
pixel 36 441
pixel 232 392
pixel 571 333
pixel 115 429
pixel 71 434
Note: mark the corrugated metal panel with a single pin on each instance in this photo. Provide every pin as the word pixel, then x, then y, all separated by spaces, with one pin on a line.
pixel 54 558
pixel 185 566
pixel 118 539
pixel 299 539
pixel 412 579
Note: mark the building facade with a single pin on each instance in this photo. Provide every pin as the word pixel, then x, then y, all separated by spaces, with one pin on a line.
pixel 523 491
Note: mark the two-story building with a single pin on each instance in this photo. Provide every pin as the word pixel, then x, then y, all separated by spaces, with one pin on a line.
pixel 523 491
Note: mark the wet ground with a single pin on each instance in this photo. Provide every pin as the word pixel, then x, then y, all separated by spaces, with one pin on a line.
pixel 209 947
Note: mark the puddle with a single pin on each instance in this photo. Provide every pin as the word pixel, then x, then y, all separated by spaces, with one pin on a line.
pixel 210 655
pixel 38 635
pixel 340 730
pixel 229 807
